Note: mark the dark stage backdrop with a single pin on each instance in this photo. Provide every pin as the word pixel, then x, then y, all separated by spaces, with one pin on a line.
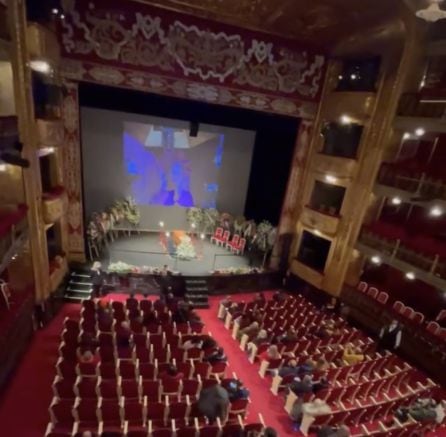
pixel 273 148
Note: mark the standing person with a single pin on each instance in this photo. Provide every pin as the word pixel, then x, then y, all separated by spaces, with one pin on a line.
pixel 390 336
pixel 97 276
pixel 214 402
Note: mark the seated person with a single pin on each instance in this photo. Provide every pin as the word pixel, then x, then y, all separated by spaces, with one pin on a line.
pixel 251 330
pixel 321 384
pixel 272 353
pixel 321 365
pixel 131 301
pixel 236 390
pixel 124 335
pixel 330 431
pixel 262 337
pixel 208 342
pixel 88 357
pixel 306 368
pixel 352 354
pixel 423 410
pixel 217 356
pixel 171 373
pixel 289 369
pixel 288 337
pixel 195 342
pixel 280 297
pixel 260 299
pixel 302 386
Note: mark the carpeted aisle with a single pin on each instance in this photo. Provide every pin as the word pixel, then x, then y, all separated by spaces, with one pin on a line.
pixel 263 401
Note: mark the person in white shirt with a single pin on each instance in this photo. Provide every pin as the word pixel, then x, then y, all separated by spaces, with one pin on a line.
pixel 390 336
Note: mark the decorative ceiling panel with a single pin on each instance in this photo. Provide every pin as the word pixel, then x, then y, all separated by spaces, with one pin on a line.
pixel 319 22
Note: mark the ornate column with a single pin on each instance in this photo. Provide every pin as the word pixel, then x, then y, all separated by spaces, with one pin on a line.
pixel 31 176
pixel 292 204
pixel 73 173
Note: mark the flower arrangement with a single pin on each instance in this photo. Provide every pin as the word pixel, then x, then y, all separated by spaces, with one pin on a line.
pixel 185 250
pixel 237 271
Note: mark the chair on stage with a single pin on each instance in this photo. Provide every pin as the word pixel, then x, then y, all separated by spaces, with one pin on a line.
pixel 233 243
pixel 221 241
pixel 218 235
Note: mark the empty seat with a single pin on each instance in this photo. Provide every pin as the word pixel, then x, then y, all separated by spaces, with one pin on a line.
pixel 134 412
pixel 85 413
pixel 151 389
pixel 61 413
pixel 63 388
pixel 86 388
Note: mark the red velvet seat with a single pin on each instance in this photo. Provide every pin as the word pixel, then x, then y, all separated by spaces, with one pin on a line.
pixel 151 389
pixel 178 411
pixel 66 369
pixel 128 369
pixel 202 369
pixel 64 388
pixel 85 412
pixel 109 412
pixel 156 412
pixel 107 370
pixel 134 412
pixel 108 388
pixel 86 388
pixel 130 388
pixel 61 413
pixel 191 387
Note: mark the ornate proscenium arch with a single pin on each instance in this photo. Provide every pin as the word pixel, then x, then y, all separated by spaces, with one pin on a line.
pixel 133 45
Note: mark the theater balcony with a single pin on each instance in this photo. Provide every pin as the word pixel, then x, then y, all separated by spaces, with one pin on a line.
pixel 320 219
pixel 49 132
pixel 53 204
pixel 42 44
pixel 338 166
pixel 13 232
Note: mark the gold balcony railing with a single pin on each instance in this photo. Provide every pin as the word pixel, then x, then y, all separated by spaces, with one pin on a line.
pixel 49 132
pixel 53 207
pixel 337 166
pixel 325 223
pixel 42 44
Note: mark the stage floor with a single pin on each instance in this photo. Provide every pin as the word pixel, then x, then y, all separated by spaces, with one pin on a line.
pixel 147 250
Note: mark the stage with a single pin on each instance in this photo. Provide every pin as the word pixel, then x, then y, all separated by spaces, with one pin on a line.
pixel 150 249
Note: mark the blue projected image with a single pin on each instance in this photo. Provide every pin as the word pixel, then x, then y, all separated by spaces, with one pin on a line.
pixel 167 167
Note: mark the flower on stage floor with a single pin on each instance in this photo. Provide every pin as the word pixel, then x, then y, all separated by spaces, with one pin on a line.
pixel 186 250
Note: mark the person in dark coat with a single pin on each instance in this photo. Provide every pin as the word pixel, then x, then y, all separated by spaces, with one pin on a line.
pixel 390 336
pixel 214 402
pixel 97 276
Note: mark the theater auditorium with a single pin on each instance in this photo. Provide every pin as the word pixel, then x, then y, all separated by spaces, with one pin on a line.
pixel 222 218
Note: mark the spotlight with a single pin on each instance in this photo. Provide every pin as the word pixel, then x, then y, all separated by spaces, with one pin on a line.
pixel 167 234
pixel 396 201
pixel 353 76
pixel 406 136
pixel 376 259
pixel 331 179
pixel 2 167
pixel 40 66
pixel 436 211
pixel 62 16
pixel 54 11
pixel 340 77
pixel 410 276
pixel 161 224
pixel 345 119
pixel 193 225
pixel 202 236
pixel 420 132
pixel 317 232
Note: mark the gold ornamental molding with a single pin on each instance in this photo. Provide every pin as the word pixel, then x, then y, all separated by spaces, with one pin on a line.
pixel 343 168
pixel 357 105
pixel 324 223
pixel 42 43
pixel 309 275
pixel 53 209
pixel 50 133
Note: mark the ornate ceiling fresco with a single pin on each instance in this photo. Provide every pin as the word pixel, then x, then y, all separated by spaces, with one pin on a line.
pixel 317 22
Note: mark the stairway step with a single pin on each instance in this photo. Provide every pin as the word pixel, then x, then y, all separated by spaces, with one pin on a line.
pixel 82 275
pixel 80 283
pixel 79 290
pixel 195 281
pixel 203 305
pixel 194 289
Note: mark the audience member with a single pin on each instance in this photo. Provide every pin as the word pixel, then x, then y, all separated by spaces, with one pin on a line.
pixel 272 353
pixel 289 369
pixel 251 330
pixel 261 337
pixel 330 431
pixel 194 342
pixel 321 365
pixel 302 386
pixel 237 390
pixel 88 357
pixel 321 384
pixel 217 356
pixel 208 342
pixel 171 373
pixel 280 297
pixel 310 410
pixel 260 299
pixel 390 336
pixel 288 337
pixel 352 354
pixel 423 410
pixel 214 402
pixel 307 367
pixel 124 335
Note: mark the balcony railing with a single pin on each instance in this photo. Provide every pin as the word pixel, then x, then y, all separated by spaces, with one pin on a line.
pixel 334 165
pixel 42 43
pixel 413 181
pixel 323 220
pixel 49 132
pixel 53 204
pixel 411 105
pixel 399 249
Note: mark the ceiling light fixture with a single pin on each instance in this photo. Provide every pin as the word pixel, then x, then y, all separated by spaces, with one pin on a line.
pixel 376 259
pixel 345 119
pixel 331 179
pixel 396 201
pixel 432 13
pixel 406 136
pixel 410 276
pixel 202 236
pixel 353 76
pixel 419 132
pixel 161 224
pixel 55 11
pixel 436 211
pixel 193 225
pixel 167 234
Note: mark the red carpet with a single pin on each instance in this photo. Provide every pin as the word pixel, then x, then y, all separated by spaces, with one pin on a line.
pixel 263 401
